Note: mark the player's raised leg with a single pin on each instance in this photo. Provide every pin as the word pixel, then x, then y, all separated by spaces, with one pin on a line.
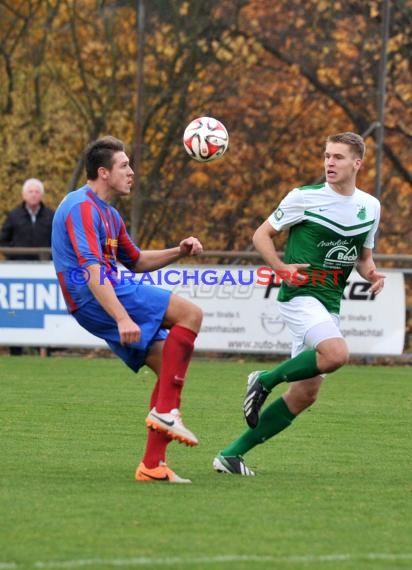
pixel 184 319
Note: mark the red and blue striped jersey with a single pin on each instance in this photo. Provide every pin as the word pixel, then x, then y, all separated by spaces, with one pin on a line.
pixel 86 230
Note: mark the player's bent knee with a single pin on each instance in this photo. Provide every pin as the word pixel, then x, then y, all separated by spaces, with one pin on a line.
pixel 196 315
pixel 307 400
pixel 339 359
pixel 332 355
pixel 310 393
pixel 183 312
pixel 301 395
pixel 191 317
pixel 298 401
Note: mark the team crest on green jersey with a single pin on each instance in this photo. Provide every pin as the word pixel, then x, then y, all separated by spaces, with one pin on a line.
pixel 361 213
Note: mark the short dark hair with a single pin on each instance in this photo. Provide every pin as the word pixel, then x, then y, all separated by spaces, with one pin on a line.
pixel 353 140
pixel 100 153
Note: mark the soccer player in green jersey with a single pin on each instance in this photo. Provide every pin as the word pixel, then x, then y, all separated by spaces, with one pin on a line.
pixel 331 229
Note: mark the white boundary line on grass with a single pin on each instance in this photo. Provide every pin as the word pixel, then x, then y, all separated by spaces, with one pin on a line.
pixel 183 561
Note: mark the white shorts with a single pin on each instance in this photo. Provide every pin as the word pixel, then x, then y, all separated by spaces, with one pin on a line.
pixel 309 322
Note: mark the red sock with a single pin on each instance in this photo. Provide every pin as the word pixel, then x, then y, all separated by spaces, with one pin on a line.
pixel 177 352
pixel 156 442
pixel 156 445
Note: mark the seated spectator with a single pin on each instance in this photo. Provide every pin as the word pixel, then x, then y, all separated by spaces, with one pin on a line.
pixel 28 225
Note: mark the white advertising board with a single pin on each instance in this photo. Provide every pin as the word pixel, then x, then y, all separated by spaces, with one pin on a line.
pixel 240 309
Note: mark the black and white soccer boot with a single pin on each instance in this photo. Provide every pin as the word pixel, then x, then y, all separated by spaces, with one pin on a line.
pixel 255 397
pixel 234 465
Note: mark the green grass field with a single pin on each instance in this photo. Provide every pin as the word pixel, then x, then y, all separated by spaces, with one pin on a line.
pixel 332 492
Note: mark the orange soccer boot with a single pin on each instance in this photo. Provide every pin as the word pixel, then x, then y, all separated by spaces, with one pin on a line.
pixel 161 473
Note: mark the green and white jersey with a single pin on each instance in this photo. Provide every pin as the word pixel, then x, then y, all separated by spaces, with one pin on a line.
pixel 328 231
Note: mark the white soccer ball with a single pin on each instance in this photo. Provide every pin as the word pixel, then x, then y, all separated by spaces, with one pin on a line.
pixel 205 139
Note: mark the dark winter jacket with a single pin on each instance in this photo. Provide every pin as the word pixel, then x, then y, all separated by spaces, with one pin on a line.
pixel 19 231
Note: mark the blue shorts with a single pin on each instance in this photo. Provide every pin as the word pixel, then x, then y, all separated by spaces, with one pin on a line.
pixel 146 306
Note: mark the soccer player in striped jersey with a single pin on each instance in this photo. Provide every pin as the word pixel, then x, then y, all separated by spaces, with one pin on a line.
pixel 142 324
pixel 331 229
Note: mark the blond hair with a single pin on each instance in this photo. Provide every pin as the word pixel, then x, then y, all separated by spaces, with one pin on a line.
pixel 353 140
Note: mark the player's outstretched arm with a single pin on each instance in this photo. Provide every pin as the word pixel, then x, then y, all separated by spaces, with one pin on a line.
pixel 156 259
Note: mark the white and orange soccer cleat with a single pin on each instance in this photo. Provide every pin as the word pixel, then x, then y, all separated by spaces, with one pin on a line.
pixel 171 424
